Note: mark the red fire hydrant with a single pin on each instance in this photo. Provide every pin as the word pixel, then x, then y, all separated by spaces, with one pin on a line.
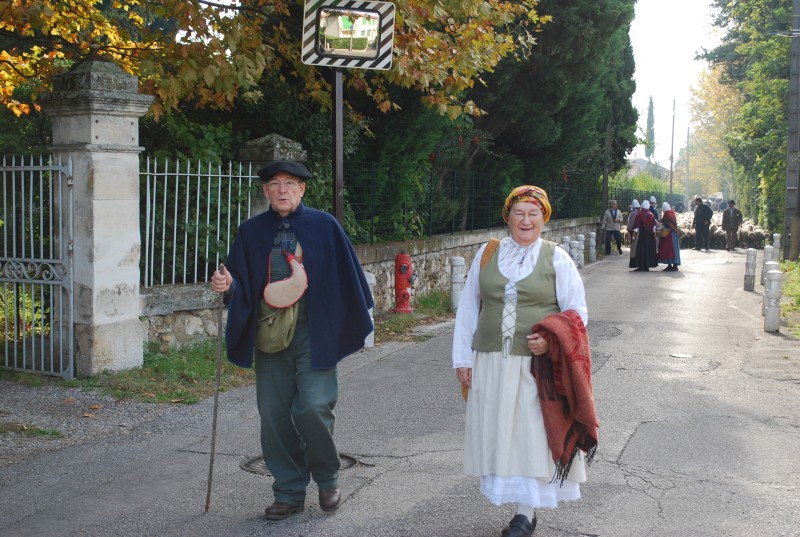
pixel 403 278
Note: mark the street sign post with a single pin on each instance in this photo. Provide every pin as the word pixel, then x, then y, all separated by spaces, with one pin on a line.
pixel 346 34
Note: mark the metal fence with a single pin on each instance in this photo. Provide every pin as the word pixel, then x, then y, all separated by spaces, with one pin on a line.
pixel 191 211
pixel 191 214
pixel 443 202
pixel 36 284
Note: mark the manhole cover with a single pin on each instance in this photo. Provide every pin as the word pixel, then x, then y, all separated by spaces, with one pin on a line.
pixel 256 465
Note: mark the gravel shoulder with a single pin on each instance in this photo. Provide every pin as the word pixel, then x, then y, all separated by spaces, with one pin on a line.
pixel 48 418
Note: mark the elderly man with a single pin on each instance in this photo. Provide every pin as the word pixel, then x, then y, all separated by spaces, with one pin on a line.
pixel 293 334
pixel 612 219
pixel 731 222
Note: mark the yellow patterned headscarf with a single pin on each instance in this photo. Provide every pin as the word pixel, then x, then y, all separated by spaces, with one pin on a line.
pixel 530 193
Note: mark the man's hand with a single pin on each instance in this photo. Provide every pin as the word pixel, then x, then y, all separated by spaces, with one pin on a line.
pixel 221 280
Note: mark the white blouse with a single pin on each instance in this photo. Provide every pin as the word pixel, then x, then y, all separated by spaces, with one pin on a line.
pixel 515 263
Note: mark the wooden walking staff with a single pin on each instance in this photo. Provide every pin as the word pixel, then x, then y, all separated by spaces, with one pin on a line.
pixel 216 398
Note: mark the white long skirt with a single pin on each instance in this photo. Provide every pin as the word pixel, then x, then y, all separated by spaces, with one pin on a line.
pixel 505 440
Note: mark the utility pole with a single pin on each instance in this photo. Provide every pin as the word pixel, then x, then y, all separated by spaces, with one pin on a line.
pixel 791 215
pixel 672 148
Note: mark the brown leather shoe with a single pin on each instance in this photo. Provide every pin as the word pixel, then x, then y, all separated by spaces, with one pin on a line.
pixel 281 510
pixel 329 499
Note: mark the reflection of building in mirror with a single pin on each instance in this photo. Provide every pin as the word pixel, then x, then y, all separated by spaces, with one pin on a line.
pixel 348 33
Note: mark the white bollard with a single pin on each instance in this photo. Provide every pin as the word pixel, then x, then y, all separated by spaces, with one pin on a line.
pixel 573 252
pixel 767 258
pixel 750 270
pixel 369 341
pixel 457 279
pixel 581 250
pixel 565 242
pixel 769 266
pixel 772 315
pixel 776 243
pixel 592 247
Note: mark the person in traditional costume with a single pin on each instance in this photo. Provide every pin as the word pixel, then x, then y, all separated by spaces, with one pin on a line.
pixel 523 307
pixel 669 248
pixel 644 224
pixel 291 248
pixel 633 210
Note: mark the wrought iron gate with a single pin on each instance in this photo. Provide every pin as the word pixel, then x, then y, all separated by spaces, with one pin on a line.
pixel 36 297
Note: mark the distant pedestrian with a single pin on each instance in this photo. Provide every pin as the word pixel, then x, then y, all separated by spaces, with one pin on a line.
pixel 523 309
pixel 644 224
pixel 654 208
pixel 669 250
pixel 633 210
pixel 700 223
pixel 731 222
pixel 612 220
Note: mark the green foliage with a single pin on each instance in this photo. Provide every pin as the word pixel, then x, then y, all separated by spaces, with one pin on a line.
pixel 566 110
pixel 22 314
pixel 650 134
pixel 755 56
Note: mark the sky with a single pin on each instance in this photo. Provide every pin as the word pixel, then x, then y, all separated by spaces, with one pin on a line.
pixel 666 35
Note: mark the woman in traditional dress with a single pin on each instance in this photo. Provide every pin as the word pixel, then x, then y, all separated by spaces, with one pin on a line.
pixel 511 286
pixel 644 224
pixel 669 250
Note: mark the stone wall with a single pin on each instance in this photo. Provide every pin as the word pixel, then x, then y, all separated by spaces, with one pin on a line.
pixel 176 314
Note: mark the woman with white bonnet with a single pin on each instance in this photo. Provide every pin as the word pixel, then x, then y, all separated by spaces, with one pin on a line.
pixel 644 224
pixel 522 306
pixel 669 249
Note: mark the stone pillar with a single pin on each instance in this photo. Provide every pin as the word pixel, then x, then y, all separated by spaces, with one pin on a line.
pixel 767 258
pixel 769 266
pixel 750 270
pixel 261 151
pixel 565 242
pixel 592 247
pixel 95 108
pixel 776 244
pixel 772 298
pixel 457 279
pixel 581 250
pixel 574 253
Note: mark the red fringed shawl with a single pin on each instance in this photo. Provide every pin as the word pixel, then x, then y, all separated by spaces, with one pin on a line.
pixel 564 380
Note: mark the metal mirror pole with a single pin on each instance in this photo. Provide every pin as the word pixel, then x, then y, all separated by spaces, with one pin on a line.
pixel 338 147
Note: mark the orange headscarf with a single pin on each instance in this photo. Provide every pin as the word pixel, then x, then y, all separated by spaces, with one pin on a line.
pixel 530 193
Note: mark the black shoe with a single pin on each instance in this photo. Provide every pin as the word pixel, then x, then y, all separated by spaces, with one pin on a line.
pixel 696 249
pixel 519 527
pixel 620 251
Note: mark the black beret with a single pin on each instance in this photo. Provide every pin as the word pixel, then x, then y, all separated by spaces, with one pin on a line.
pixel 732 202
pixel 291 167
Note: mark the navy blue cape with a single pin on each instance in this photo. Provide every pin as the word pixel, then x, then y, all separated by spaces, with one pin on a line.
pixel 337 299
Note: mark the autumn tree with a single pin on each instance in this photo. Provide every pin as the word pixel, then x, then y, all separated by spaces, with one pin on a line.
pixel 211 53
pixel 754 55
pixel 711 168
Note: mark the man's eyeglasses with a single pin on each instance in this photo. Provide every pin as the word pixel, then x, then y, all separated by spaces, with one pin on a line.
pixel 288 185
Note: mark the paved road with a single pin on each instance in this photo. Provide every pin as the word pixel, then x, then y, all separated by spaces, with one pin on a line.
pixel 699 434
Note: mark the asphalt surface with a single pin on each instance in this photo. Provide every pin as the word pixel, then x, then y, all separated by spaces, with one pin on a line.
pixel 699 433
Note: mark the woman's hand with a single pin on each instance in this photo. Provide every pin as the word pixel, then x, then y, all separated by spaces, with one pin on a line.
pixel 464 375
pixel 221 280
pixel 537 344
